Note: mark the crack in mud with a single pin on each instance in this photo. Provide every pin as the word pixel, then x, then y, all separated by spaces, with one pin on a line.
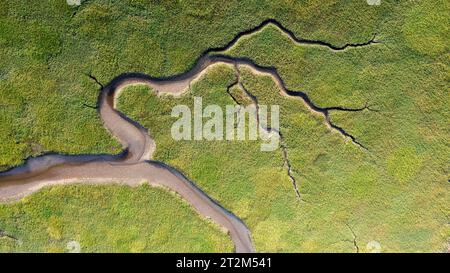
pixel 354 241
pixel 292 36
pixel 89 106
pixel 345 109
pixel 288 165
pixel 344 133
pixel 326 112
pixel 231 95
pixel 236 101
pixel 286 161
pixel 92 77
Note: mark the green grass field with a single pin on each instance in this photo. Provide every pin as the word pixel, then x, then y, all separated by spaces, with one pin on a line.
pixel 396 193
pixel 107 219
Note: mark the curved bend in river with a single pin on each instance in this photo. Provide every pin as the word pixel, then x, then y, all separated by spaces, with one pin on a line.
pixel 134 164
pixel 131 167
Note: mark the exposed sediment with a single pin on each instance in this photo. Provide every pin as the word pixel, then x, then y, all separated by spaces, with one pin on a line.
pixel 7 235
pixel 134 164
